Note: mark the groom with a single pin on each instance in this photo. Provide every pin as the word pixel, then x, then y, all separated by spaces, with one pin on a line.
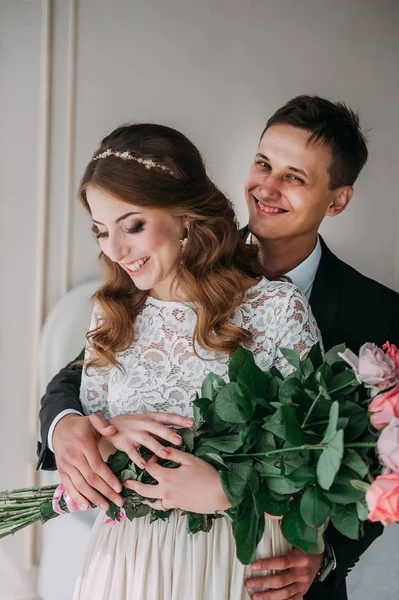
pixel 310 154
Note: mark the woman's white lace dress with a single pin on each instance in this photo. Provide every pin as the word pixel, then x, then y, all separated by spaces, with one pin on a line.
pixel 140 560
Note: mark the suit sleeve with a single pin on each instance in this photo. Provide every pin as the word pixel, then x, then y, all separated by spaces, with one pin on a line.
pixel 62 393
pixel 347 551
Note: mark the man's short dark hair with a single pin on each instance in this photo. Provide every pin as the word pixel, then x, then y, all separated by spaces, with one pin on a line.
pixel 331 123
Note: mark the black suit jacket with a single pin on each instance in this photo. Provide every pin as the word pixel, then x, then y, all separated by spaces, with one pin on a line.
pixel 349 308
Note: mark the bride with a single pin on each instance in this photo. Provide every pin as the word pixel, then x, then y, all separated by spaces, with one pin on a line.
pixel 182 292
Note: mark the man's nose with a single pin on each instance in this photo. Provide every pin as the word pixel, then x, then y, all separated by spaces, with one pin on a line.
pixel 270 187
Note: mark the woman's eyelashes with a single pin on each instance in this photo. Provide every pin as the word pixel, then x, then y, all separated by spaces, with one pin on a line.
pixel 134 229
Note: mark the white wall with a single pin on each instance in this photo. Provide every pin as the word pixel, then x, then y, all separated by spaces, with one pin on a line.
pixel 216 69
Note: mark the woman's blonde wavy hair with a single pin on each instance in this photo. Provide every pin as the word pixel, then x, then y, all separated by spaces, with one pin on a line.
pixel 215 261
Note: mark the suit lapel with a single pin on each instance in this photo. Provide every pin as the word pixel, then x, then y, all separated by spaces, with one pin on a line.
pixel 326 291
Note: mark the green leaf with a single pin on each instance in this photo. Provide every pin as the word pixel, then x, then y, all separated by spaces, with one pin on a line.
pixel 290 389
pixel 211 385
pixel 248 529
pixel 238 361
pixel 250 435
pixel 346 520
pixel 266 502
pixel 188 437
pixel 227 443
pixel 302 476
pixel 331 357
pixel 355 462
pixel 114 511
pixel 285 425
pixel 343 491
pixel 293 358
pixel 331 429
pixel 227 404
pixel 343 378
pixel 279 485
pixel 330 460
pixel 358 419
pixel 323 386
pixel 198 522
pixel 314 507
pixel 128 474
pixel 362 510
pixel 138 511
pixel 197 415
pixel 316 356
pixel 257 383
pixel 214 459
pixel 295 530
pixel 362 486
pixel 118 461
pixel 240 482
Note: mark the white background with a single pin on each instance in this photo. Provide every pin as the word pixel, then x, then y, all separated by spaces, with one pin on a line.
pixel 215 69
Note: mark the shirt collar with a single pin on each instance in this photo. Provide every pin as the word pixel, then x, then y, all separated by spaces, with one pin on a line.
pixel 304 274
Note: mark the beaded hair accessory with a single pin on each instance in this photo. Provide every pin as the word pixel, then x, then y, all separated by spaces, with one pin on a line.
pixel 147 162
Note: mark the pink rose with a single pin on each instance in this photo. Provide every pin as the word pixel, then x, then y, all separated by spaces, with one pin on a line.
pixel 388 446
pixel 373 367
pixel 385 408
pixel 392 352
pixel 382 498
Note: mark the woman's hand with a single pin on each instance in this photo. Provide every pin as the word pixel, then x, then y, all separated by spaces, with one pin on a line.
pixel 193 486
pixel 133 431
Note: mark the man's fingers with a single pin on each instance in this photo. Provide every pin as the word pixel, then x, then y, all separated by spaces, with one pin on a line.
pixel 98 466
pixel 172 419
pixel 277 563
pixel 80 500
pixel 97 484
pixel 88 491
pixel 101 425
pixel 274 582
pixel 288 593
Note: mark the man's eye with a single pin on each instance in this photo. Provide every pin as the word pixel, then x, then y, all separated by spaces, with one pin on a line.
pixel 136 228
pixel 295 178
pixel 264 165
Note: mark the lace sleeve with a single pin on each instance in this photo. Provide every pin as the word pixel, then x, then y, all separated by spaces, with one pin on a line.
pixel 94 384
pixel 298 329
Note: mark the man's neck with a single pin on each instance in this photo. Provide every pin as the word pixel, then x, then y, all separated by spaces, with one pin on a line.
pixel 279 257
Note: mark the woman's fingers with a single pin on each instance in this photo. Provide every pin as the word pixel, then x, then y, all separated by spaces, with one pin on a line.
pixel 171 419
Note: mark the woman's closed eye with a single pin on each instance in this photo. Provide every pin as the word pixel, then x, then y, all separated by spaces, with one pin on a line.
pixel 134 229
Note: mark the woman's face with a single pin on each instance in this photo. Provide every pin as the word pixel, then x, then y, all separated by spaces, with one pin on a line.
pixel 143 241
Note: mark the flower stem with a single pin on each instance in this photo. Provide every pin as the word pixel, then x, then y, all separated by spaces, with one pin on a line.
pixel 310 410
pixel 345 385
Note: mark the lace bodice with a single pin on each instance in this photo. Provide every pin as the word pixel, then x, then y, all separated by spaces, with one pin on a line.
pixel 161 370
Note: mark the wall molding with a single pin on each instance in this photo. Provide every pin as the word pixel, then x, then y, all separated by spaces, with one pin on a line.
pixel 38 312
pixel 70 146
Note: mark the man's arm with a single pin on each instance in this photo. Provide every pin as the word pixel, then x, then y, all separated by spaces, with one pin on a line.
pixel 62 394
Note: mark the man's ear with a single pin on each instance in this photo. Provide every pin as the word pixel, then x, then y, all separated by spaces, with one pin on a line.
pixel 341 198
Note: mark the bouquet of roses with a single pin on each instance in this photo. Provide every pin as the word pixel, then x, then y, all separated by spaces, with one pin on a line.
pixel 320 444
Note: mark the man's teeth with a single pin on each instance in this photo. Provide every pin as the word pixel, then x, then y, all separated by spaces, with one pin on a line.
pixel 138 264
pixel 269 209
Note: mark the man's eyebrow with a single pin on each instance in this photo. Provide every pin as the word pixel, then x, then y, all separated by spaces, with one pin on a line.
pixel 119 218
pixel 295 169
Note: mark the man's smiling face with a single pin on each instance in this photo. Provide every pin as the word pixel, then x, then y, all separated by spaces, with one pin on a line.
pixel 287 188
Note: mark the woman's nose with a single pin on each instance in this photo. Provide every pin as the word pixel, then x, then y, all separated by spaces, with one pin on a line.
pixel 116 250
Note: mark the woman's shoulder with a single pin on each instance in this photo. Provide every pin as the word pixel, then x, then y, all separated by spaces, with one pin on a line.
pixel 280 291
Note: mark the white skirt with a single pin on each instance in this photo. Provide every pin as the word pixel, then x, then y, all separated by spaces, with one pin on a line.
pixel 139 560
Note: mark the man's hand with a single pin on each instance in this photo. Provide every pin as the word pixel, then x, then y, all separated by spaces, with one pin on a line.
pixel 295 574
pixel 82 469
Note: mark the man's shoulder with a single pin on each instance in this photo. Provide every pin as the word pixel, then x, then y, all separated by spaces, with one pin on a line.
pixel 358 284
